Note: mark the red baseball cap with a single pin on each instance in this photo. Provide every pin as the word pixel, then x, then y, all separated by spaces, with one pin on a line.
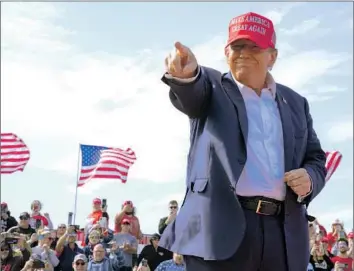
pixel 350 235
pixel 324 240
pixel 3 204
pixel 97 201
pixel 253 27
pixel 125 221
pixel 127 202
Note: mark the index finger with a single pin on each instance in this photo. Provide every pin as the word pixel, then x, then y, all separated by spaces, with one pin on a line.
pixel 181 49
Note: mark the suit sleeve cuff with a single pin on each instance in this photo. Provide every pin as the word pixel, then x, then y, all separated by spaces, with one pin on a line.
pixel 301 198
pixel 183 80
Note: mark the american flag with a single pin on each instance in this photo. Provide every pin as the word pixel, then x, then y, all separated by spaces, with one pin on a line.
pixel 103 162
pixel 333 160
pixel 14 153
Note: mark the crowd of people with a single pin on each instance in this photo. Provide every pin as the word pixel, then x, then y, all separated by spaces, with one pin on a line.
pixel 31 242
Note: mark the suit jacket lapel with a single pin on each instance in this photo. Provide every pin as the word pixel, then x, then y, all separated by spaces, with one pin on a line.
pixel 235 96
pixel 288 133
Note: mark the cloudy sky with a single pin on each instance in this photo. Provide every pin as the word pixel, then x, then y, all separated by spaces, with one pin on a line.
pixel 90 73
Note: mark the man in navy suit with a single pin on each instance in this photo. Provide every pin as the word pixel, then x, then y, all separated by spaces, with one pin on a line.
pixel 254 162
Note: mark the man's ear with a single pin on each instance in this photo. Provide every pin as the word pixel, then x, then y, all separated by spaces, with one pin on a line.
pixel 273 57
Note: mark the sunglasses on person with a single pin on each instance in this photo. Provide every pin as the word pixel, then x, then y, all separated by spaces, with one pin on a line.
pixel 126 223
pixel 24 217
pixel 173 207
pixel 5 249
pixel 80 263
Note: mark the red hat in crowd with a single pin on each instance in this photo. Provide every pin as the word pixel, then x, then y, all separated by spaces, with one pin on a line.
pixel 253 27
pixel 3 204
pixel 125 221
pixel 128 202
pixel 324 240
pixel 351 235
pixel 97 201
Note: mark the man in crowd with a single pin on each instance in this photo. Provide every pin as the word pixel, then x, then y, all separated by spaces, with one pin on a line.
pixel 98 214
pixel 127 243
pixel 24 228
pixel 43 248
pixel 342 259
pixel 100 262
pixel 67 249
pixel 153 253
pixel 80 263
pixel 173 209
pixel 7 221
pixel 254 163
pixel 61 230
pixel 176 264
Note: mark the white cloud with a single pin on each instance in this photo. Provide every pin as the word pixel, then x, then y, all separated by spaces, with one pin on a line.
pixel 341 131
pixel 326 218
pixel 69 103
pixel 302 28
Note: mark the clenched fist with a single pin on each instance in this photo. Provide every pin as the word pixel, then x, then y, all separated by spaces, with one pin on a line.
pixel 181 62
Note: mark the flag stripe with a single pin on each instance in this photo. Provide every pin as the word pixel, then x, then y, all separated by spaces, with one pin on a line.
pixel 14 153
pixel 104 163
pixel 332 162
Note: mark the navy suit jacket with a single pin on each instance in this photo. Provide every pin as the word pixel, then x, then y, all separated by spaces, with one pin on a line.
pixel 211 223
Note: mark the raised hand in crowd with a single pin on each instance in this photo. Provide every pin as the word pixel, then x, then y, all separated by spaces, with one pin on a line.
pixel 36 207
pixel 181 62
pixel 173 209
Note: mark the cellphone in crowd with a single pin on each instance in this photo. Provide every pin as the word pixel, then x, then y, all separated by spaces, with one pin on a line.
pixel 341 234
pixel 103 222
pixel 38 223
pixel 38 264
pixel 104 203
pixel 11 240
pixel 144 263
pixel 70 218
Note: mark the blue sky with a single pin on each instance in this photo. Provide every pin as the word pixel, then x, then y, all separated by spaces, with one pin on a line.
pixel 90 73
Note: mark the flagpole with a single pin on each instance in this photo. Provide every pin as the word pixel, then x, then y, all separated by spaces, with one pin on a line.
pixel 77 182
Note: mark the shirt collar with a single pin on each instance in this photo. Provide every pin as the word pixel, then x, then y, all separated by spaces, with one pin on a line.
pixel 269 80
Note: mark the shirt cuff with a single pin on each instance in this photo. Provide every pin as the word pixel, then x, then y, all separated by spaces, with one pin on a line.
pixel 183 80
pixel 301 198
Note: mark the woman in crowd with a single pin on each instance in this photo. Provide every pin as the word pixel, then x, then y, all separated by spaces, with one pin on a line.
pixel 93 239
pixel 318 259
pixel 36 207
pixel 8 261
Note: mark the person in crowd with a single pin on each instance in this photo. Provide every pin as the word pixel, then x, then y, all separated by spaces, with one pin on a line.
pixel 60 231
pixel 99 260
pixel 336 233
pixel 312 233
pixel 128 243
pixel 23 247
pixel 350 244
pixel 128 211
pixel 319 260
pixel 98 215
pixel 80 262
pixel 37 263
pixel 36 207
pixel 325 247
pixel 67 249
pixel 173 209
pixel 153 253
pixel 43 248
pixel 342 258
pixel 9 262
pixel 93 239
pixel 261 186
pixel 175 264
pixel 7 221
pixel 106 234
pixel 25 228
